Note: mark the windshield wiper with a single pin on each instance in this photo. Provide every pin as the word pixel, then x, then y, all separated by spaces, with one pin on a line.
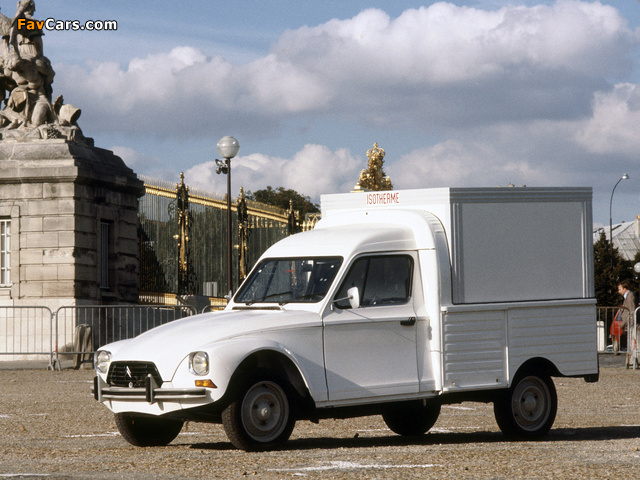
pixel 262 299
pixel 302 297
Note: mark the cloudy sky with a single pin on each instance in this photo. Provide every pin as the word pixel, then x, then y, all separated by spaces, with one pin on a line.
pixel 460 93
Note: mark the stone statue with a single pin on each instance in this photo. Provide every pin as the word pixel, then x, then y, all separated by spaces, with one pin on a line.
pixel 26 75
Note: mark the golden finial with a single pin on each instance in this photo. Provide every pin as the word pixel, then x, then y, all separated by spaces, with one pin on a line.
pixel 374 178
pixel 375 154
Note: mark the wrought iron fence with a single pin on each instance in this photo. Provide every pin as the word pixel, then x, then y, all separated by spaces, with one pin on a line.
pixel 165 241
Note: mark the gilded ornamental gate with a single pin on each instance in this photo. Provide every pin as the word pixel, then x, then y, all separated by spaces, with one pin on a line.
pixel 183 238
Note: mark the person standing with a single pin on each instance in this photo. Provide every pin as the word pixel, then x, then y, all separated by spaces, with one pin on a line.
pixel 627 311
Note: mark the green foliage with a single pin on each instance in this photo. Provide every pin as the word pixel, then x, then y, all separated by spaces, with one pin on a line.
pixel 609 271
pixel 281 197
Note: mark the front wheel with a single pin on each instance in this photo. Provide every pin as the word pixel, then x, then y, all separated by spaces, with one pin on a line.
pixel 528 409
pixel 412 418
pixel 261 417
pixel 147 431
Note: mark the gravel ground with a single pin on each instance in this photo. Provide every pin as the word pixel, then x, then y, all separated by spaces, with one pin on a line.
pixel 52 428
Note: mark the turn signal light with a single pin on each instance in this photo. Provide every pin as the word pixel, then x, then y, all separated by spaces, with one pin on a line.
pixel 205 383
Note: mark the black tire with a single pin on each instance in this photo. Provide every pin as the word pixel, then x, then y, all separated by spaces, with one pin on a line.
pixel 528 409
pixel 262 416
pixel 147 431
pixel 412 418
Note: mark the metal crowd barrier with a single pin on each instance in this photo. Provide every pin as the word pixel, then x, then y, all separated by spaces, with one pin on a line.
pixel 26 333
pixel 605 317
pixel 74 333
pixel 81 330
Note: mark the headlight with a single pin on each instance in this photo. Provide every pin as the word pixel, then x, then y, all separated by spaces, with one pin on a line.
pixel 102 360
pixel 199 363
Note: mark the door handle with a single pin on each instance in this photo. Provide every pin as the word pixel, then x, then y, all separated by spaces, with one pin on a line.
pixel 408 323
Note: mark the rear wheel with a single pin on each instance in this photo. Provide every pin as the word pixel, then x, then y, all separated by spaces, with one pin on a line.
pixel 261 417
pixel 147 431
pixel 412 418
pixel 528 408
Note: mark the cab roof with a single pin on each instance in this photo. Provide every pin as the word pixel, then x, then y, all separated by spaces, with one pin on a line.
pixel 344 241
pixel 346 234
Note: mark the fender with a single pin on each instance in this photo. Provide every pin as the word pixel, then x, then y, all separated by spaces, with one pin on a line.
pixel 227 356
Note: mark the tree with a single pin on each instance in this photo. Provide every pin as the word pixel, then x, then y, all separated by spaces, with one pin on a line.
pixel 280 198
pixel 609 271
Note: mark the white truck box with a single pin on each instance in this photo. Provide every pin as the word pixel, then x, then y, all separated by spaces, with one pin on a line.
pixel 505 244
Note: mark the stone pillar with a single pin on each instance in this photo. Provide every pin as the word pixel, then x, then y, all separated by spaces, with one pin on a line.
pixel 74 224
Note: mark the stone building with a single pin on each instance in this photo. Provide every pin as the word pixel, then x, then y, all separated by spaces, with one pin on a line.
pixel 68 218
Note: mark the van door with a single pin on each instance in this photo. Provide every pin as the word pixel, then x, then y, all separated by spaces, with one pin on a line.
pixel 371 351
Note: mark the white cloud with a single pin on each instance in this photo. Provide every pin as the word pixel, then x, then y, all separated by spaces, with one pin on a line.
pixel 312 171
pixel 614 125
pixel 144 164
pixel 134 160
pixel 182 91
pixel 444 43
pixel 431 67
pixel 319 170
pixel 454 163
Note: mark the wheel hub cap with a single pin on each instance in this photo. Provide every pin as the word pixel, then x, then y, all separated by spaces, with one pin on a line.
pixel 529 404
pixel 263 411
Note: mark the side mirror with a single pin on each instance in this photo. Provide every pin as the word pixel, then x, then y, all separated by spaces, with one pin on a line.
pixel 354 297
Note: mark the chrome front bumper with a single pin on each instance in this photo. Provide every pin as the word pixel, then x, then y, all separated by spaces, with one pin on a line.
pixel 150 393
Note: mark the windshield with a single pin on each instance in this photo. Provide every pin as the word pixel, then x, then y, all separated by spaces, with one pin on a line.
pixel 284 280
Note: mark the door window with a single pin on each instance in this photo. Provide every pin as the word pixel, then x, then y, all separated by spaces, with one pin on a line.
pixel 381 280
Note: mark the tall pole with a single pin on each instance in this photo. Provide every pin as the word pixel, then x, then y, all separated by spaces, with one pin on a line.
pixel 229 247
pixel 623 177
pixel 228 147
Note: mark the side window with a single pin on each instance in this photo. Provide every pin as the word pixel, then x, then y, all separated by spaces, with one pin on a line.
pixel 381 280
pixel 355 278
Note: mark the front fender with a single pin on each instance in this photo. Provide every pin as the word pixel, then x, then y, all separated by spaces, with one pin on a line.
pixel 225 358
pixel 113 347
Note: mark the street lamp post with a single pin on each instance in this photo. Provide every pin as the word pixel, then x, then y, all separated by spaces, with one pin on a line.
pixel 623 177
pixel 228 148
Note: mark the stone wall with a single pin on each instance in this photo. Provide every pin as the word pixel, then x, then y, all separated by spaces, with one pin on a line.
pixel 58 194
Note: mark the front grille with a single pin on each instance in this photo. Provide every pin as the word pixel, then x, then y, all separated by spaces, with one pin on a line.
pixel 132 374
